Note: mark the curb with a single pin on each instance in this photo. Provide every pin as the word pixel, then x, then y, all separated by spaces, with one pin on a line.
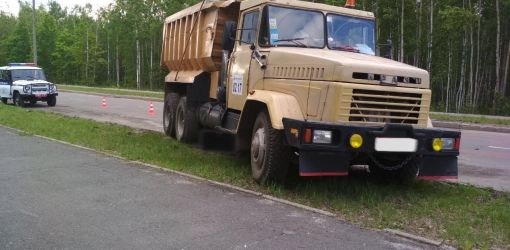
pixel 471 126
pixel 145 98
pixel 413 237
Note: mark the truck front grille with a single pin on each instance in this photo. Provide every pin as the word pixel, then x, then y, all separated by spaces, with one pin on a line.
pixel 374 106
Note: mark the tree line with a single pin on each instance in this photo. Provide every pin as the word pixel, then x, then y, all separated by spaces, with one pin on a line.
pixel 464 44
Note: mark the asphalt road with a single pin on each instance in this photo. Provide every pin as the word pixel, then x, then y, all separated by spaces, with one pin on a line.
pixel 484 159
pixel 55 196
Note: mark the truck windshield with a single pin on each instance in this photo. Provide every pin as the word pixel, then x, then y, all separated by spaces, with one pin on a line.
pixel 291 27
pixel 351 34
pixel 28 74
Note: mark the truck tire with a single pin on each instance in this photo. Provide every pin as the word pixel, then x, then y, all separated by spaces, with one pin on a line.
pixel 270 158
pixel 405 174
pixel 186 122
pixel 171 102
pixel 18 100
pixel 4 100
pixel 52 101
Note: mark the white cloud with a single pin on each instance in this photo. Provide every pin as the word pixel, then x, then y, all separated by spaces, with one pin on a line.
pixel 12 6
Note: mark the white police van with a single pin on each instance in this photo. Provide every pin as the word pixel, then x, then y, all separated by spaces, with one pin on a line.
pixel 26 83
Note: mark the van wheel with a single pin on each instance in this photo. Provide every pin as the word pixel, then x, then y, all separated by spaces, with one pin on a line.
pixel 52 101
pixel 186 123
pixel 4 100
pixel 17 99
pixel 171 102
pixel 269 156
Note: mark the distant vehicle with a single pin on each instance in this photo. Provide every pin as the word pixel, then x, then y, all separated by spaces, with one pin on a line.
pixel 301 82
pixel 26 83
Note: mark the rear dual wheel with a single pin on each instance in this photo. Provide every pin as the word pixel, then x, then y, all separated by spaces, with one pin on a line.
pixel 171 102
pixel 179 118
pixel 186 122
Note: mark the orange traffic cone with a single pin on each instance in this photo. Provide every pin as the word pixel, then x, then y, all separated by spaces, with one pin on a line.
pixel 103 103
pixel 151 109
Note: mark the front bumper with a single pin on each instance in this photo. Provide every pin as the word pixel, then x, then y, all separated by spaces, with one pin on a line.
pixel 334 159
pixel 38 96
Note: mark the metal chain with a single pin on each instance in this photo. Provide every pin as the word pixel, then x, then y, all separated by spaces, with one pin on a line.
pixel 392 168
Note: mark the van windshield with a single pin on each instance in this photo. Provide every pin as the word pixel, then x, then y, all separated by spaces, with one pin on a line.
pixel 28 74
pixel 291 27
pixel 351 34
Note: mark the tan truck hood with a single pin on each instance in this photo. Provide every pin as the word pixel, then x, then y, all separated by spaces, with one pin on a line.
pixel 342 66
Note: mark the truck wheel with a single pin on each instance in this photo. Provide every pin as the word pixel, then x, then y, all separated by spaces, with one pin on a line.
pixel 33 102
pixel 186 123
pixel 269 156
pixel 52 101
pixel 17 99
pixel 171 102
pixel 383 168
pixel 4 100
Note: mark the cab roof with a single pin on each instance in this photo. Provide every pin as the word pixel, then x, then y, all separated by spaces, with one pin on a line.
pixel 246 4
pixel 309 5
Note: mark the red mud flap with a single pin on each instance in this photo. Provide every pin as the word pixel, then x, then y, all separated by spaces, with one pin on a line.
pixel 317 163
pixel 439 168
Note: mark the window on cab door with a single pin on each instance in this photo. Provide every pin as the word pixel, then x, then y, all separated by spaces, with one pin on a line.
pixel 249 29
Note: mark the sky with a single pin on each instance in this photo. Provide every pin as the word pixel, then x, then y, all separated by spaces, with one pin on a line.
pixel 12 6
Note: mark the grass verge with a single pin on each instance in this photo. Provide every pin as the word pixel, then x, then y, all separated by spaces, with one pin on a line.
pixel 112 91
pixel 479 120
pixel 465 216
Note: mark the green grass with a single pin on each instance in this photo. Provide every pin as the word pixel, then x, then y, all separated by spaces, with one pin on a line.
pixel 480 120
pixel 112 91
pixel 465 216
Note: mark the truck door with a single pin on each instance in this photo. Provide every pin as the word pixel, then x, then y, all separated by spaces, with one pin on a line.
pixel 5 84
pixel 241 61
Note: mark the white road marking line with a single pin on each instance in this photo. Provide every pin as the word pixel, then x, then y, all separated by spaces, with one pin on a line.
pixel 499 147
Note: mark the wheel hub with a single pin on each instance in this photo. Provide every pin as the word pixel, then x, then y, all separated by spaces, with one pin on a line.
pixel 258 147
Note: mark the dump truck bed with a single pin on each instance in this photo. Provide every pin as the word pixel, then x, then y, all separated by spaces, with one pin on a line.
pixel 192 39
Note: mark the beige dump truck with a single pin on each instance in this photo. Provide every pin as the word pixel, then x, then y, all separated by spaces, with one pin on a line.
pixel 300 82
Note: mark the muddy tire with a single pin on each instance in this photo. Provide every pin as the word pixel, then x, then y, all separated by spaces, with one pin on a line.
pixel 270 158
pixel 171 102
pixel 52 101
pixel 405 174
pixel 186 122
pixel 18 100
pixel 4 100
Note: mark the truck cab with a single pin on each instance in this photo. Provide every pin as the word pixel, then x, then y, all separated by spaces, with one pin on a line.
pixel 26 83
pixel 294 79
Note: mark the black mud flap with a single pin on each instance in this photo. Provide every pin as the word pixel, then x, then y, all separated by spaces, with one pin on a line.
pixel 317 163
pixel 438 168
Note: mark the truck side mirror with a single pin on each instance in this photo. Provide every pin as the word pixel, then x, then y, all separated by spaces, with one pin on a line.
pixel 229 35
pixel 388 49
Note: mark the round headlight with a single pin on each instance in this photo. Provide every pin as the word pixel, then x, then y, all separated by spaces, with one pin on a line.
pixel 26 88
